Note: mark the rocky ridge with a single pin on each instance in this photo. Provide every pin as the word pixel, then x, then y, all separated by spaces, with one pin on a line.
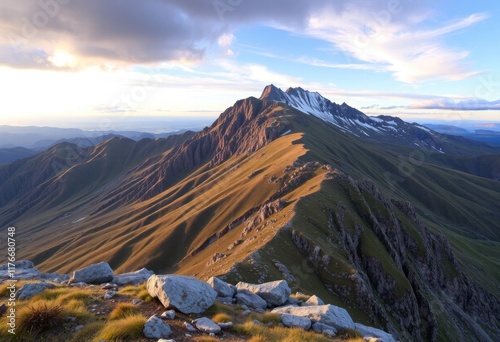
pixel 188 295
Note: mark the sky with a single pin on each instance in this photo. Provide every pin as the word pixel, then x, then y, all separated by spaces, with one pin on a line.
pixel 65 62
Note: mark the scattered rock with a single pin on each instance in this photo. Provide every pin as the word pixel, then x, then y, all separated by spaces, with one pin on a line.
pixel 78 328
pixel 170 314
pixel 314 300
pixel 275 293
pixel 109 294
pixel 156 328
pixel 136 301
pixel 374 333
pixel 24 271
pixel 79 284
pixel 185 294
pixel 133 278
pixel 96 273
pixel 321 328
pixel 189 327
pixel 225 325
pixel 246 312
pixel 108 286
pixel 328 314
pixel 251 300
pixel 207 325
pixel 29 290
pixel 222 288
pixel 296 321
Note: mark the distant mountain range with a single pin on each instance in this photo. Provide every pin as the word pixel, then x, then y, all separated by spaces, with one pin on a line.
pixel 488 136
pixel 392 220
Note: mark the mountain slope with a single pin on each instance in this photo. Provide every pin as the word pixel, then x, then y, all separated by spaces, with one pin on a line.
pixel 267 192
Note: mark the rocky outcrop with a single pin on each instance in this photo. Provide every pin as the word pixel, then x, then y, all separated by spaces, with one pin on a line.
pixel 275 293
pixel 133 278
pixel 251 300
pixel 93 274
pixel 222 288
pixel 22 270
pixel 330 315
pixel 296 321
pixel 185 294
pixel 373 332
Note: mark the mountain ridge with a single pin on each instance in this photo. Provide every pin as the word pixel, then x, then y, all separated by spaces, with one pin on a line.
pixel 269 191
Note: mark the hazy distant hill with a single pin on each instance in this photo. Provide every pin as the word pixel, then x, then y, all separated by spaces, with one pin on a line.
pixel 488 136
pixel 391 220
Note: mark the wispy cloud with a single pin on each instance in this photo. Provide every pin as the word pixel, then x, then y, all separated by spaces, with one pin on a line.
pixel 410 53
pixel 450 104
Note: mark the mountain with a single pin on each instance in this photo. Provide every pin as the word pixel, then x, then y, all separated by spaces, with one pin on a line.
pixel 39 138
pixel 8 155
pixel 491 137
pixel 289 185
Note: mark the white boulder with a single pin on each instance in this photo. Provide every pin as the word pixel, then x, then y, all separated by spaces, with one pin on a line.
pixel 296 321
pixel 321 328
pixel 156 328
pixel 185 294
pixel 207 325
pixel 95 273
pixel 374 332
pixel 327 314
pixel 222 288
pixel 170 314
pixel 251 300
pixel 133 278
pixel 275 293
pixel 314 300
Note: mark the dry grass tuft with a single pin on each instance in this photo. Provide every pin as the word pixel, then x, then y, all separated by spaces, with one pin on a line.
pixel 222 318
pixel 40 317
pixel 125 329
pixel 123 310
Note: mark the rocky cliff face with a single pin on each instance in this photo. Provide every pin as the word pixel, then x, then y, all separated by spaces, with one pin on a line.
pixel 242 129
pixel 420 283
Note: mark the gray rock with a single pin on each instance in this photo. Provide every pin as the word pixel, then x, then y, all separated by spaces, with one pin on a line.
pixel 136 301
pixel 251 300
pixel 189 327
pixel 222 288
pixel 96 273
pixel 328 314
pixel 133 278
pixel 78 328
pixel 321 328
pixel 109 294
pixel 21 273
pixel 296 321
pixel 314 300
pixel 225 325
pixel 374 332
pixel 21 264
pixel 165 340
pixel 207 325
pixel 29 290
pixel 156 328
pixel 292 301
pixel 225 300
pixel 275 293
pixel 108 286
pixel 185 294
pixel 170 314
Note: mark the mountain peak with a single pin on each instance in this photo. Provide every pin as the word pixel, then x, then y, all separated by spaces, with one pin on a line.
pixel 272 93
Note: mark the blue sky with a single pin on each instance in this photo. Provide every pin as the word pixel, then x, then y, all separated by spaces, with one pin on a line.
pixel 67 61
